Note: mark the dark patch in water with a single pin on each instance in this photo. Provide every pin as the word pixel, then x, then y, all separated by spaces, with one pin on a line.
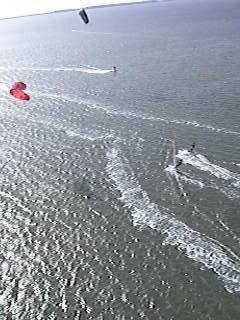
pixel 82 187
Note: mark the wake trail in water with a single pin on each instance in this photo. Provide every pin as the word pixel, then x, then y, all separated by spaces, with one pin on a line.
pixel 182 122
pixel 198 247
pixel 185 178
pixel 201 162
pixel 174 172
pixel 85 69
pixel 133 115
pixel 111 110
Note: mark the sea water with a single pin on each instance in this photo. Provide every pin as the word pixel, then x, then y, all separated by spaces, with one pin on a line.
pixel 96 223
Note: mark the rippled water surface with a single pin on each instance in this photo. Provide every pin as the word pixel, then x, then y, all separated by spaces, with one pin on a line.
pixel 96 223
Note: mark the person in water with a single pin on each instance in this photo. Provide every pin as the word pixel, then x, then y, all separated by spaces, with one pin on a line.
pixel 114 69
pixel 192 147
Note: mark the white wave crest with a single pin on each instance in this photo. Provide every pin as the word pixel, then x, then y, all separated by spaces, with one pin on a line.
pixel 198 247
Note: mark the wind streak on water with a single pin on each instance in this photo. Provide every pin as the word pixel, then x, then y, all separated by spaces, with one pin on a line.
pixel 111 110
pixel 214 255
pixel 131 115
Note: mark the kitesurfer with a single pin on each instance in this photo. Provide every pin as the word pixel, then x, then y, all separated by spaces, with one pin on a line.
pixel 114 69
pixel 192 147
pixel 178 165
pixel 184 194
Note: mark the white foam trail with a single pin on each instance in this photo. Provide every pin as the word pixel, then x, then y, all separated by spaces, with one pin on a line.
pixel 189 180
pixel 228 229
pixel 85 69
pixel 127 114
pixel 174 172
pixel 171 169
pixel 198 247
pixel 202 163
pixel 113 111
pixel 130 115
pixel 199 125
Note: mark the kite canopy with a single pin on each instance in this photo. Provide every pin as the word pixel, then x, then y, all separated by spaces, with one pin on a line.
pixel 16 90
pixel 19 85
pixel 19 94
pixel 83 15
